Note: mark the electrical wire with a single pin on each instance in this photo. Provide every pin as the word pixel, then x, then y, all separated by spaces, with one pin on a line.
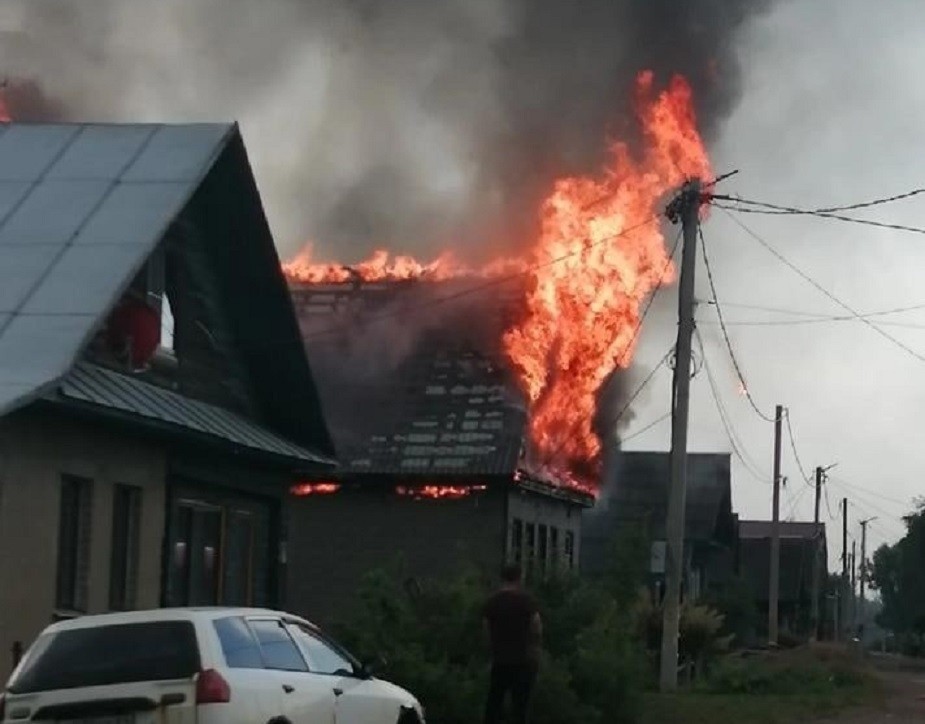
pixel 645 429
pixel 738 449
pixel 722 324
pixel 868 491
pixel 780 257
pixel 829 209
pixel 819 315
pixel 795 501
pixel 807 478
pixel 785 211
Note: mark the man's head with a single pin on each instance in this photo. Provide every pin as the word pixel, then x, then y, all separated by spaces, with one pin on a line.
pixel 511 575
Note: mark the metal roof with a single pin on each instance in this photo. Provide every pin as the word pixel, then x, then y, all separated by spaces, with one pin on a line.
pixel 446 405
pixel 104 390
pixel 81 208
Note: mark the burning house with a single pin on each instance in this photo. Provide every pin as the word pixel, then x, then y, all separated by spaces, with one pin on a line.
pixel 430 430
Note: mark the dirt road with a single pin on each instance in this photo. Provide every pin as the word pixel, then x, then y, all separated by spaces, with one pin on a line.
pixel 904 696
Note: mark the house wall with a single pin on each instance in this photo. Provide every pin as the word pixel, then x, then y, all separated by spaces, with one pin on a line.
pixel 334 540
pixel 545 514
pixel 35 451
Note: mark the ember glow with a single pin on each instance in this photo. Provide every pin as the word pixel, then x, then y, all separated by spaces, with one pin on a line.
pixel 304 489
pixel 439 492
pixel 4 110
pixel 600 254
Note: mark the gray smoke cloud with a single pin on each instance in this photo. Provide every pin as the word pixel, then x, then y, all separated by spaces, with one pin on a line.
pixel 407 124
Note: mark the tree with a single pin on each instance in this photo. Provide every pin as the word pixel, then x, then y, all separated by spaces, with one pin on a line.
pixel 898 573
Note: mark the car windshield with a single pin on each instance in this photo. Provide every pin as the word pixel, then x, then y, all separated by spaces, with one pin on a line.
pixel 102 655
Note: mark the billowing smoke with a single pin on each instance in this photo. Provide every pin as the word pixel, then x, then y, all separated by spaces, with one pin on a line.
pixel 409 124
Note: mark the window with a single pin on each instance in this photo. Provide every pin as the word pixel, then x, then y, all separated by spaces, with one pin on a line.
pixel 276 646
pixel 517 541
pixel 106 655
pixel 531 544
pixel 196 555
pixel 570 549
pixel 74 544
pixel 238 643
pixel 126 540
pixel 554 547
pixel 543 548
pixel 322 657
pixel 238 589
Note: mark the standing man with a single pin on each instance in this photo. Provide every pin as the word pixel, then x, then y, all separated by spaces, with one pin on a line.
pixel 515 631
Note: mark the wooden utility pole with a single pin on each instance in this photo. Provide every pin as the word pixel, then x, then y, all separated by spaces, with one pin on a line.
pixel 844 559
pixel 862 603
pixel 686 207
pixel 774 582
pixel 817 562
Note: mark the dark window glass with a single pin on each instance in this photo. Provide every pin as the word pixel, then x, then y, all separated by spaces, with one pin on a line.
pixel 123 572
pixel 277 647
pixel 543 547
pixel 322 657
pixel 239 560
pixel 531 544
pixel 554 547
pixel 517 541
pixel 74 543
pixel 104 655
pixel 569 549
pixel 238 643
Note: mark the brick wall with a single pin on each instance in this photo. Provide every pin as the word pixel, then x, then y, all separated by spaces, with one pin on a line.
pixel 335 539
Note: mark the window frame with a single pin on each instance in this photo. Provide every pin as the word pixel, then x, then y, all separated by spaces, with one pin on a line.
pixel 314 633
pixel 251 620
pixel 76 551
pixel 125 552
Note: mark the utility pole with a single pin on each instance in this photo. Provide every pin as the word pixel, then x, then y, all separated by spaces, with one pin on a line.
pixel 686 207
pixel 774 582
pixel 817 563
pixel 862 601
pixel 844 555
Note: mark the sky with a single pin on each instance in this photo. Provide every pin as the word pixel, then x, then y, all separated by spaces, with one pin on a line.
pixel 831 114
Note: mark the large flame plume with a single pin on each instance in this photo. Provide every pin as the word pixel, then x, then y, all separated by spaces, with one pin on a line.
pixel 599 255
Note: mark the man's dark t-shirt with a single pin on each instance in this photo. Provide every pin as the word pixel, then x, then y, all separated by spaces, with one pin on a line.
pixel 509 614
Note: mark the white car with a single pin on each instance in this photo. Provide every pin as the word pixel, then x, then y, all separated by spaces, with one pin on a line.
pixel 197 666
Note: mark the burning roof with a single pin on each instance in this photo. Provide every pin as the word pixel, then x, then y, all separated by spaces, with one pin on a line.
pixel 598 256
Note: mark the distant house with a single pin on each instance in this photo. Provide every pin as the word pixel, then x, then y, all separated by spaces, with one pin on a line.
pixel 155 399
pixel 430 431
pixel 800 545
pixel 635 493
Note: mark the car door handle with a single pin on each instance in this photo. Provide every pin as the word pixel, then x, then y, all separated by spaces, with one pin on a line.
pixel 288 689
pixel 338 692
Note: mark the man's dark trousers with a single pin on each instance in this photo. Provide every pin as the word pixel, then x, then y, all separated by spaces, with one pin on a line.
pixel 516 680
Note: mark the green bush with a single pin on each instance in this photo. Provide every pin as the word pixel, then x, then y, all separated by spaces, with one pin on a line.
pixel 431 640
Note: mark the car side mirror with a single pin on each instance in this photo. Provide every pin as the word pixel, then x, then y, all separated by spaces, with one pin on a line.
pixel 369 667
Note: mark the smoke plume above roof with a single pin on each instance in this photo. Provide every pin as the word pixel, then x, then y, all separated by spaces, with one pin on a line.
pixel 408 124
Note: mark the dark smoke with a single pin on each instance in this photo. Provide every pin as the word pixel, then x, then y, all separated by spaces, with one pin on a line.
pixel 411 124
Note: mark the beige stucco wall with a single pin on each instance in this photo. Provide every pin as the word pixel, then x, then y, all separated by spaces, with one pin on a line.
pixel 35 450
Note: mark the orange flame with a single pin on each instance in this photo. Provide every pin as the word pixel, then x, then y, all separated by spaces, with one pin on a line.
pixel 304 489
pixel 4 110
pixel 440 492
pixel 583 312
pixel 382 266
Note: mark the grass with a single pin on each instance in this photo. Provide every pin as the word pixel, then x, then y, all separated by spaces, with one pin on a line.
pixel 776 688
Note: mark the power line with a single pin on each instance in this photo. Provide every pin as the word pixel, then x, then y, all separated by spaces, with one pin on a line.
pixel 886 335
pixel 867 491
pixel 822 215
pixel 807 478
pixel 488 284
pixel 645 429
pixel 819 315
pixel 829 209
pixel 722 324
pixel 738 448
